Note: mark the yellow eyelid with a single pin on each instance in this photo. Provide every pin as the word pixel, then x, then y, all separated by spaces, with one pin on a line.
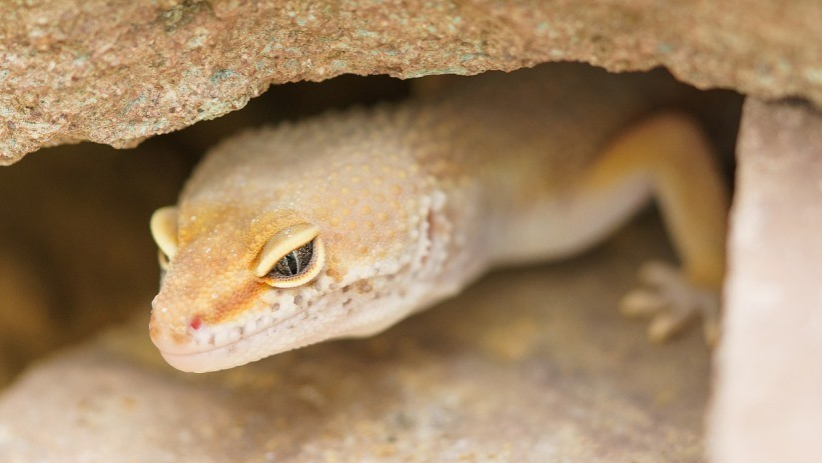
pixel 284 242
pixel 163 226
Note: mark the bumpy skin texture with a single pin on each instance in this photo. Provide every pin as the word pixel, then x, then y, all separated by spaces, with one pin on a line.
pixel 412 201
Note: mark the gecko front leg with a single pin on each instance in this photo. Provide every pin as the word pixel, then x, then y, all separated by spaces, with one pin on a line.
pixel 670 152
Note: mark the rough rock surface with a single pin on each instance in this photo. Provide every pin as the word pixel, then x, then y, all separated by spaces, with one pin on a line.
pixel 117 72
pixel 529 365
pixel 767 398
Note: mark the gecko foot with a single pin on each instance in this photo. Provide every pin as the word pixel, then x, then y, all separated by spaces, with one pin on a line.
pixel 672 301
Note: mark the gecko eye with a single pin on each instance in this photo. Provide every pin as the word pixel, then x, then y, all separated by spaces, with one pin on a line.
pixel 292 257
pixel 164 231
pixel 294 263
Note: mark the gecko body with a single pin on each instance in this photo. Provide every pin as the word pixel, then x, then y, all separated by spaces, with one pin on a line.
pixel 344 224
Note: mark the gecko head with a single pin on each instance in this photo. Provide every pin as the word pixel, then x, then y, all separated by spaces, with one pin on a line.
pixel 235 291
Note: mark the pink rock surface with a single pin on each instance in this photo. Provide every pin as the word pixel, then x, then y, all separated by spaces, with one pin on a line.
pixel 767 397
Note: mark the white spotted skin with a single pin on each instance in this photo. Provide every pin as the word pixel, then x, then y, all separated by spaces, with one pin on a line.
pixel 414 201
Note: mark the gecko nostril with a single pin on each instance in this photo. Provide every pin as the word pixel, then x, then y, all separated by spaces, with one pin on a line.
pixel 196 322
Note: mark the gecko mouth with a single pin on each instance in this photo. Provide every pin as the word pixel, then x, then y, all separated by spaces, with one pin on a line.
pixel 211 348
pixel 272 331
pixel 245 348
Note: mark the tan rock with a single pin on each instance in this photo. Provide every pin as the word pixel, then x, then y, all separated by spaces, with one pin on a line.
pixel 119 72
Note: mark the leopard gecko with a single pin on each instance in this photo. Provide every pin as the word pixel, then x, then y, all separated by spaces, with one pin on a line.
pixel 344 224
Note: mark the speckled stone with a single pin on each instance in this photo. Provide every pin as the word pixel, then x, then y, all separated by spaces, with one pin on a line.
pixel 529 365
pixel 119 72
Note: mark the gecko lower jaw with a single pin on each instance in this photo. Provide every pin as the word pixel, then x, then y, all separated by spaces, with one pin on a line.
pixel 216 347
pixel 218 358
pixel 245 349
pixel 213 349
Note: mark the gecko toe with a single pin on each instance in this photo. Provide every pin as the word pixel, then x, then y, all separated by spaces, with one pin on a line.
pixel 641 303
pixel 672 301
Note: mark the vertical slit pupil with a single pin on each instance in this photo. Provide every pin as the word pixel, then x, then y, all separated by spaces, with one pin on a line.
pixel 294 263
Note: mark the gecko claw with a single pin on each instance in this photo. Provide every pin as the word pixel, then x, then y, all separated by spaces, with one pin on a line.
pixel 668 297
